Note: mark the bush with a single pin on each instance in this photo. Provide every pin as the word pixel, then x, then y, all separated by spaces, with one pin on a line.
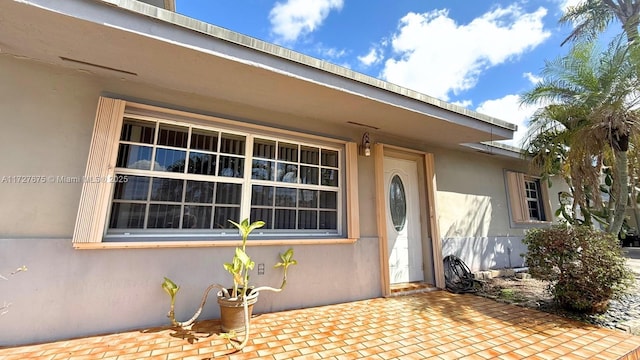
pixel 585 267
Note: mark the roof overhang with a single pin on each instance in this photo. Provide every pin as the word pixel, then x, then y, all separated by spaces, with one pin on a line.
pixel 497 148
pixel 134 41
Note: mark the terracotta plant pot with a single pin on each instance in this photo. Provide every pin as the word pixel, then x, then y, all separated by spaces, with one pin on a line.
pixel 232 312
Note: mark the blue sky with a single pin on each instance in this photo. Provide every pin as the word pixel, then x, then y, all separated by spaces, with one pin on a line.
pixel 480 54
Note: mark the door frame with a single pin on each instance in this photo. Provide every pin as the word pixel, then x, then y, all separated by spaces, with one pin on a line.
pixel 428 216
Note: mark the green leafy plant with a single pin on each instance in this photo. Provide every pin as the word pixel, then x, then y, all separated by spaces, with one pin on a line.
pixel 241 263
pixel 239 268
pixel 172 289
pixel 510 295
pixel 585 267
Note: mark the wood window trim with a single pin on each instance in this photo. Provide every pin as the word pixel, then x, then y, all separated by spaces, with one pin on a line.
pixel 202 244
pixel 91 220
pixel 95 198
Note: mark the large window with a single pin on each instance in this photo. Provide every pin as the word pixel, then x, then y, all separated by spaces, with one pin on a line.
pixel 528 199
pixel 183 180
pixel 181 177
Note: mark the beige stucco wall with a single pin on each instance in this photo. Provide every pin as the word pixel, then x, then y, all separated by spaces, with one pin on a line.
pixel 47 116
pixel 51 138
pixel 46 129
pixel 473 209
pixel 472 197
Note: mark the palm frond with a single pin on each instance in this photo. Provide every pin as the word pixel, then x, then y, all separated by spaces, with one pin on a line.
pixel 588 18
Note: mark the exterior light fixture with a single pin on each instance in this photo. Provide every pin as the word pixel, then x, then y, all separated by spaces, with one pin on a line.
pixel 366 145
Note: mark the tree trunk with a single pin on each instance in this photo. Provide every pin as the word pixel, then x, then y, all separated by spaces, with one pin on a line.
pixel 620 191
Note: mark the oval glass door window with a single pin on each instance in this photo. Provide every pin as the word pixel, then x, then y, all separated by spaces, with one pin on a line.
pixel 397 203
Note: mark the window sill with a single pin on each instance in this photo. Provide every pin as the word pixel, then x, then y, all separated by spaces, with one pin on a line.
pixel 530 224
pixel 196 244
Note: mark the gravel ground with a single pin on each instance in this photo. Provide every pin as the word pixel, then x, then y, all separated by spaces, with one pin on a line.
pixel 623 314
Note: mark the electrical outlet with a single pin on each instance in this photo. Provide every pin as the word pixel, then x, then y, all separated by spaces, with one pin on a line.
pixel 260 269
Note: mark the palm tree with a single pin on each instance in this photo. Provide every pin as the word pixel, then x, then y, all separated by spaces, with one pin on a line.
pixel 554 128
pixel 589 101
pixel 592 17
pixel 634 176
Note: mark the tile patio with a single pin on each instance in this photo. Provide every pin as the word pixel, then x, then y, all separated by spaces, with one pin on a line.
pixel 432 325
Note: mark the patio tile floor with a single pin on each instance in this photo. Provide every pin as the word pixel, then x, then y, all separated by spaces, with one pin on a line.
pixel 432 325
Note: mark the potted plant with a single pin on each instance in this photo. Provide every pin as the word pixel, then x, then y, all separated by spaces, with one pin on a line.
pixel 236 303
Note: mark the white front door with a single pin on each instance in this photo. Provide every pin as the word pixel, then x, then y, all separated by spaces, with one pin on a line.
pixel 403 220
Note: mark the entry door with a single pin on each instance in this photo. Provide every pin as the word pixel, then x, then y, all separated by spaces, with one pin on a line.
pixel 403 220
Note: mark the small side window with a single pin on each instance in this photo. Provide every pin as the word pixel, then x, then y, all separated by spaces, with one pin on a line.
pixel 528 200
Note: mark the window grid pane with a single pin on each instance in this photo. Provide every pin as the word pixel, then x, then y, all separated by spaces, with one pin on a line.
pixel 265 149
pixel 223 215
pixel 127 216
pixel 288 152
pixel 231 166
pixel 173 136
pixel 134 157
pixel 309 155
pixel 163 216
pixel 196 217
pixel 138 131
pixel 203 164
pixel 169 160
pixel 265 215
pixel 262 170
pixel 232 144
pixel 204 140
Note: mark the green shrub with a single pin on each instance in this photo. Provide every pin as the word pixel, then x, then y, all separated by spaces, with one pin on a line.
pixel 585 267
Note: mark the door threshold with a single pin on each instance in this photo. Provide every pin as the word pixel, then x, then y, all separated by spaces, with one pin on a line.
pixel 411 288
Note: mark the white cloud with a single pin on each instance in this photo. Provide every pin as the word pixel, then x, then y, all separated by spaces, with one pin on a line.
pixel 564 4
pixel 534 79
pixel 437 56
pixel 463 103
pixel 329 52
pixel 293 18
pixel 334 53
pixel 508 109
pixel 372 57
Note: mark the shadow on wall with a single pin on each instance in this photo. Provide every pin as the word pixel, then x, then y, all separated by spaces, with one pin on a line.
pixel 467 237
pixel 497 252
pixel 476 222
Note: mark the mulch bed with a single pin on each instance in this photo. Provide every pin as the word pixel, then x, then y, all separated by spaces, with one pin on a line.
pixel 533 293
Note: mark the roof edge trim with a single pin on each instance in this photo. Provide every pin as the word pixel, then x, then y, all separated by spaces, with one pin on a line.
pixel 497 148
